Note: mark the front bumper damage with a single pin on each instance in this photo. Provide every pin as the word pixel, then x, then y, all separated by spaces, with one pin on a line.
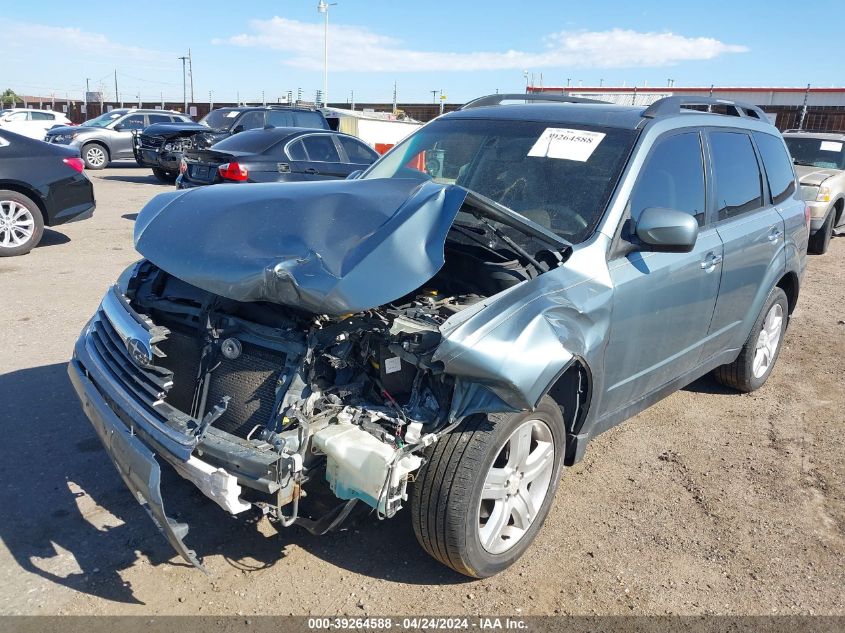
pixel 134 461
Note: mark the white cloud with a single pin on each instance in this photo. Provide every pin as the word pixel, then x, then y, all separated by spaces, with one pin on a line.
pixel 76 42
pixel 354 48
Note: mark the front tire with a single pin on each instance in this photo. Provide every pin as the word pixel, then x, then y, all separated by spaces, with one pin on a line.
pixel 164 176
pixel 486 489
pixel 21 224
pixel 821 239
pixel 95 156
pixel 758 356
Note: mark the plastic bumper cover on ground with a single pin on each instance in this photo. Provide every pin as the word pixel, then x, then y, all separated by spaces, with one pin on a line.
pixel 134 461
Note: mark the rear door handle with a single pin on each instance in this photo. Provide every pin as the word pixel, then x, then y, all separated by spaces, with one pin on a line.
pixel 310 171
pixel 774 234
pixel 711 261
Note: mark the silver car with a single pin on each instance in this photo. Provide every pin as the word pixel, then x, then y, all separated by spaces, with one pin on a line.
pixel 451 328
pixel 819 159
pixel 109 136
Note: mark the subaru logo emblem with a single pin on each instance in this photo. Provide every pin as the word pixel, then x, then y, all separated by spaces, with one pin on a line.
pixel 138 352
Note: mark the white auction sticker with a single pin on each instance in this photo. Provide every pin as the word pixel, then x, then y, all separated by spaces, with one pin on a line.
pixel 831 146
pixel 558 142
pixel 392 365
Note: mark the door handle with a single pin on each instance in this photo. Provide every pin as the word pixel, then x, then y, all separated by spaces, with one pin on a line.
pixel 310 171
pixel 774 234
pixel 711 261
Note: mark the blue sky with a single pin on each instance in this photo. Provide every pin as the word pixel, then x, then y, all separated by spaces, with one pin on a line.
pixel 463 48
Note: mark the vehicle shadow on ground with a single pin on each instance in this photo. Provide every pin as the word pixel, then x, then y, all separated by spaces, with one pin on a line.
pixel 141 180
pixel 709 385
pixel 52 238
pixel 68 518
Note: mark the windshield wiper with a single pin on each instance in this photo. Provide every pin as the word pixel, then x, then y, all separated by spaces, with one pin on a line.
pixel 516 248
pixel 500 213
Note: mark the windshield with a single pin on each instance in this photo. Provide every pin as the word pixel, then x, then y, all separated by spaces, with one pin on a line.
pixel 221 118
pixel 104 119
pixel 559 176
pixel 816 152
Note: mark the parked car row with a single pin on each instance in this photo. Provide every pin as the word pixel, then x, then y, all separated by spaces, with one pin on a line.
pixel 448 329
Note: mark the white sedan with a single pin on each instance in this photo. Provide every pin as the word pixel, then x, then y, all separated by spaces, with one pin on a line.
pixel 30 122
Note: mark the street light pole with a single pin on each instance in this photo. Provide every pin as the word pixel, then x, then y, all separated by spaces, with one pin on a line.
pixel 184 85
pixel 323 7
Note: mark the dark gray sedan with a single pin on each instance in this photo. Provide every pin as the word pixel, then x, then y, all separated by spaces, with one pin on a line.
pixel 276 155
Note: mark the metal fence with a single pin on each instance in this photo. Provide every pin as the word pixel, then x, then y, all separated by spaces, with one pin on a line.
pixel 787 117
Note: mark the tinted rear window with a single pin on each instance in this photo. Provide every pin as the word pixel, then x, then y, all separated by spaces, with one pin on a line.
pixel 778 166
pixel 309 119
pixel 738 184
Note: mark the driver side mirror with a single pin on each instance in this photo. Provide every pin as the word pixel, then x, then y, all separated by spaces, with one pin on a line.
pixel 119 127
pixel 667 230
pixel 355 174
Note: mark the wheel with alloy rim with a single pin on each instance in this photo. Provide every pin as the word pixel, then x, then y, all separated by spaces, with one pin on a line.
pixel 95 156
pixel 516 486
pixel 760 352
pixel 486 488
pixel 768 341
pixel 21 224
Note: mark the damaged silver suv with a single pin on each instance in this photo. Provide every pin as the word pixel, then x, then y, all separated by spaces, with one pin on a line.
pixel 449 329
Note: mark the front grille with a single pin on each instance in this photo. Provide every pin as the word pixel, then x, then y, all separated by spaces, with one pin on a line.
pixel 250 380
pixel 146 140
pixel 149 386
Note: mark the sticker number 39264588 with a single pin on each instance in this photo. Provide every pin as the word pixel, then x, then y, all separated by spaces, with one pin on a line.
pixel 563 143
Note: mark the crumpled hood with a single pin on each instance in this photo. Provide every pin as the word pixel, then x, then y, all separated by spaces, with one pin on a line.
pixel 325 247
pixel 814 176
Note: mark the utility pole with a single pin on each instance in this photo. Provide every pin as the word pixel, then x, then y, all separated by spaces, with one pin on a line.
pixel 601 83
pixel 87 90
pixel 433 96
pixel 184 58
pixel 394 97
pixel 210 102
pixel 116 93
pixel 804 108
pixel 263 100
pixel 352 95
pixel 191 73
pixel 442 101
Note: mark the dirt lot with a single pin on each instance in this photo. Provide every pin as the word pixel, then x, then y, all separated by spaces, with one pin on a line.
pixel 710 502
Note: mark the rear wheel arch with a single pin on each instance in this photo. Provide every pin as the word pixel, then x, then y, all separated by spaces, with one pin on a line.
pixel 29 193
pixel 790 285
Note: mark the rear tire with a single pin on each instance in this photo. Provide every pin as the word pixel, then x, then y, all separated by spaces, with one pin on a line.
pixel 821 239
pixel 758 356
pixel 514 461
pixel 164 176
pixel 95 156
pixel 21 224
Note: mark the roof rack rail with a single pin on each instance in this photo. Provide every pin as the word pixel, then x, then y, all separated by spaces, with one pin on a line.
pixel 497 99
pixel 673 105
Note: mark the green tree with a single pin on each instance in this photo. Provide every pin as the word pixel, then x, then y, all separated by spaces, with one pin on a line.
pixel 9 97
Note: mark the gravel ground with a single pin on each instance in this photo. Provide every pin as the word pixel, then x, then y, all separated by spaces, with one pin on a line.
pixel 709 502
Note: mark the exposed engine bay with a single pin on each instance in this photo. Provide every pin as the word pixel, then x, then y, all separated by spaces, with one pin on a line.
pixel 352 398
